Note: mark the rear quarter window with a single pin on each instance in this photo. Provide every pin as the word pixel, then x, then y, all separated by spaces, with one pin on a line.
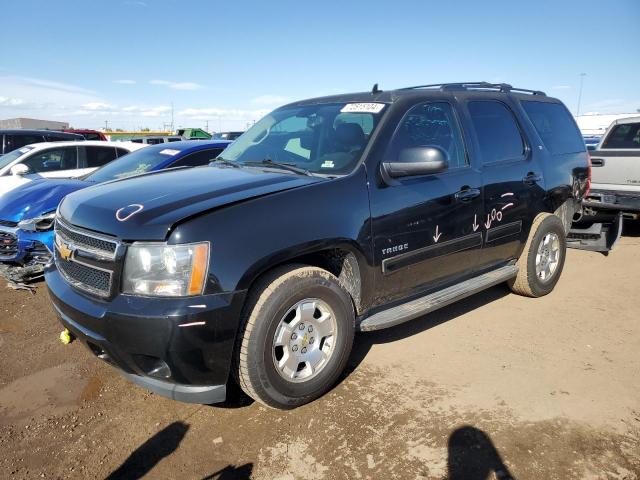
pixel 556 127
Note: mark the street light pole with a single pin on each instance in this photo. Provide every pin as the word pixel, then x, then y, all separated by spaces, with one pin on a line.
pixel 582 75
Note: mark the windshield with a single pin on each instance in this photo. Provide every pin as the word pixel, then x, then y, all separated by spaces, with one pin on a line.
pixel 12 156
pixel 327 139
pixel 135 163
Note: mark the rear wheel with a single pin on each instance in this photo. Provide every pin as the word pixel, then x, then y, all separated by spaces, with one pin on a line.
pixel 296 337
pixel 542 259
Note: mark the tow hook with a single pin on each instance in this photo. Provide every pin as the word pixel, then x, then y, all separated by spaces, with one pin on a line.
pixel 66 337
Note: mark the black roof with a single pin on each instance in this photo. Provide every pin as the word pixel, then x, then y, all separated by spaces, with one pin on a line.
pixel 432 90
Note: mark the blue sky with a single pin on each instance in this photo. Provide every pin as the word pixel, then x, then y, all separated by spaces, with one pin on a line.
pixel 229 62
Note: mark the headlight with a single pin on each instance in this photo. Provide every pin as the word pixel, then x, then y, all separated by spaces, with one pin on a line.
pixel 41 223
pixel 162 270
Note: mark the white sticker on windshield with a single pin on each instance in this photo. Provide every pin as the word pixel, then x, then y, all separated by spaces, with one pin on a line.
pixel 362 108
pixel 169 151
pixel 327 164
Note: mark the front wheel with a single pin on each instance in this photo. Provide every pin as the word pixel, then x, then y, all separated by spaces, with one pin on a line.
pixel 296 337
pixel 542 259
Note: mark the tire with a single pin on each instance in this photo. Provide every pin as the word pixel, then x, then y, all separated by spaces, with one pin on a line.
pixel 282 303
pixel 528 282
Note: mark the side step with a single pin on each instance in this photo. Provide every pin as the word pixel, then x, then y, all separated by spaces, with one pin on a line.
pixel 423 305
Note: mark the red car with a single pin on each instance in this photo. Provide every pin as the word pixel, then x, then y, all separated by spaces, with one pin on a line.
pixel 88 134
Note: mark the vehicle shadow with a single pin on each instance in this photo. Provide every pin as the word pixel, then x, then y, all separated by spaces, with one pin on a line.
pixel 471 455
pixel 231 472
pixel 147 455
pixel 365 340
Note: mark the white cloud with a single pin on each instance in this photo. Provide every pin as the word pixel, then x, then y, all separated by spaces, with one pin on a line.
pixel 561 87
pixel 11 102
pixel 270 100
pixel 234 115
pixel 125 82
pixel 96 106
pixel 177 85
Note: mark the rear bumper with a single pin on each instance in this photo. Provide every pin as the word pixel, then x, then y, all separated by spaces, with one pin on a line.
pixel 177 348
pixel 613 200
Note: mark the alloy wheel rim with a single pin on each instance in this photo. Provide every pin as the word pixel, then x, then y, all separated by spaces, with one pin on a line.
pixel 548 257
pixel 304 340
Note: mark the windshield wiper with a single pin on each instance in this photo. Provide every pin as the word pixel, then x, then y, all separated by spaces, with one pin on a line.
pixel 224 161
pixel 267 162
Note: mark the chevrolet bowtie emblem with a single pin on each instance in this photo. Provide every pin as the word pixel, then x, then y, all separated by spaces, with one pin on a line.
pixel 65 250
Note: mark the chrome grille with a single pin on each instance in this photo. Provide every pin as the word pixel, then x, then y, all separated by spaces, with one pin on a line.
pixel 86 240
pixel 8 244
pixel 85 259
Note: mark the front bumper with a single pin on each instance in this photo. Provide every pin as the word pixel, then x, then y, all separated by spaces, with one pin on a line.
pixel 179 348
pixel 613 200
pixel 29 246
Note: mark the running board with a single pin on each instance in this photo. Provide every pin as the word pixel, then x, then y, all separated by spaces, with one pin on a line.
pixel 423 305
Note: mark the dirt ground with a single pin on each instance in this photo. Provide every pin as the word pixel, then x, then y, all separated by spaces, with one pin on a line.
pixel 496 386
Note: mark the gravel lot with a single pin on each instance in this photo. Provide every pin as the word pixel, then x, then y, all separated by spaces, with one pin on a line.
pixel 495 386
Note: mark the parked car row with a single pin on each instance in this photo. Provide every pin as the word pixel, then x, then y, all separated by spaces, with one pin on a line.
pixel 30 195
pixel 331 215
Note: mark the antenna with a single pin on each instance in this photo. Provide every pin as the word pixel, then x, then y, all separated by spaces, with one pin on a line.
pixel 375 89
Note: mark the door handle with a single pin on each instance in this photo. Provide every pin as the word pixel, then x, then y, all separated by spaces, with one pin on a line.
pixel 597 162
pixel 532 178
pixel 467 194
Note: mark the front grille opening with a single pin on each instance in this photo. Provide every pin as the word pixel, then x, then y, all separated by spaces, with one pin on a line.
pixel 84 277
pixel 8 244
pixel 86 240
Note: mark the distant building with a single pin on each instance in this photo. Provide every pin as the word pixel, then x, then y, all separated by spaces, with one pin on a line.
pixel 33 123
pixel 597 124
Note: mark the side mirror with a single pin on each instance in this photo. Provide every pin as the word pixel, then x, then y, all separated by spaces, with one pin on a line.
pixel 417 161
pixel 19 169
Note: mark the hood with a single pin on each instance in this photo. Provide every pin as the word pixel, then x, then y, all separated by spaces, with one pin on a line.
pixel 148 206
pixel 36 197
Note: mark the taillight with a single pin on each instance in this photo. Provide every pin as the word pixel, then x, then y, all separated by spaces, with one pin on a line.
pixel 588 186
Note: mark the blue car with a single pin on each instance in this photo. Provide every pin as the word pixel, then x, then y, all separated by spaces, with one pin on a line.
pixel 28 212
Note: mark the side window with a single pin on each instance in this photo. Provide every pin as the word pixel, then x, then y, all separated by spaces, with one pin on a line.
pixel 626 135
pixel 16 141
pixel 498 133
pixel 555 126
pixel 53 160
pixel 136 140
pixel 203 157
pixel 99 156
pixel 430 124
pixel 154 141
pixel 121 152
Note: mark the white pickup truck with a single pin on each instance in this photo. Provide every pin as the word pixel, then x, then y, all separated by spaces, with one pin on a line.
pixel 615 188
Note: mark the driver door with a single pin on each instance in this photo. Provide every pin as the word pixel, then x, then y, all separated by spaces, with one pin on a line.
pixel 426 228
pixel 57 162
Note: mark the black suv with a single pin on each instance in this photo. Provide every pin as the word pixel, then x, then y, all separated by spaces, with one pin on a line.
pixel 330 215
pixel 13 139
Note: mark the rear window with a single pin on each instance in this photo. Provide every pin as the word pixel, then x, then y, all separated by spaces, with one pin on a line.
pixel 626 135
pixel 555 126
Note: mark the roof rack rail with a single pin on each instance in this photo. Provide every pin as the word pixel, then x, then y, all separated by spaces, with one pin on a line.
pixel 501 87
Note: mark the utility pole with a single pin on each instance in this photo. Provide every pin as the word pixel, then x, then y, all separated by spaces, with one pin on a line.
pixel 206 128
pixel 106 125
pixel 582 75
pixel 172 130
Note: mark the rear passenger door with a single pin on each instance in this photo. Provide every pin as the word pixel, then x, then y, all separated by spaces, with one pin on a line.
pixel 94 157
pixel 512 179
pixel 426 228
